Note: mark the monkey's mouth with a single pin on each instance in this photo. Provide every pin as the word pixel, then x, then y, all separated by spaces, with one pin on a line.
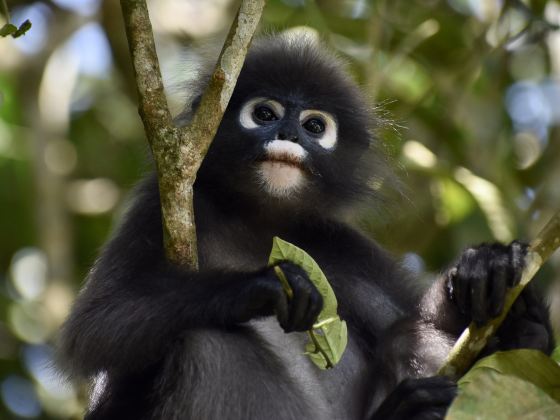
pixel 284 159
pixel 281 173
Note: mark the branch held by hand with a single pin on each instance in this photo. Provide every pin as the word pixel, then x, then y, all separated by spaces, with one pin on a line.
pixel 474 339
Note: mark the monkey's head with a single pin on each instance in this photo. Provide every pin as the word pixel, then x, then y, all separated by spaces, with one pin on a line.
pixel 297 132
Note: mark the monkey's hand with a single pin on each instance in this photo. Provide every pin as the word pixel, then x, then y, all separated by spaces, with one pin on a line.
pixel 477 286
pixel 265 296
pixel 423 398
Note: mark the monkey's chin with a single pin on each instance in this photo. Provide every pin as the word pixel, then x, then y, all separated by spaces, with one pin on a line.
pixel 280 179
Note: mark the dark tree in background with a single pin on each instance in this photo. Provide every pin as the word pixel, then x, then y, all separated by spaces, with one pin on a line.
pixel 472 89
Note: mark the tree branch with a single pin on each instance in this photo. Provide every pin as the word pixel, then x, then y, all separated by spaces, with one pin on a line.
pixel 474 339
pixel 178 152
pixel 4 10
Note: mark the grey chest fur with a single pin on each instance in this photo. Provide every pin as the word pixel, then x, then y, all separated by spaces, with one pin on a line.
pixel 334 393
pixel 233 246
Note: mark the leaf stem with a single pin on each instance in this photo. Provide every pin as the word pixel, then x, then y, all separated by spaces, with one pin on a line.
pixel 284 281
pixel 318 348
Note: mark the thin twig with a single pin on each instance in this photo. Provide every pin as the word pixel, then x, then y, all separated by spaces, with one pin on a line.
pixel 5 10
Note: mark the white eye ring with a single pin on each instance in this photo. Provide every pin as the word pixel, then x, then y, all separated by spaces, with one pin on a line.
pixel 246 118
pixel 329 137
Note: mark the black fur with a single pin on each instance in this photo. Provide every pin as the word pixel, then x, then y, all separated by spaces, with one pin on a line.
pixel 217 344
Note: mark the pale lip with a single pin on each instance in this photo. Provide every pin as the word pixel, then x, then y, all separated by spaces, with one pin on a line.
pixel 284 159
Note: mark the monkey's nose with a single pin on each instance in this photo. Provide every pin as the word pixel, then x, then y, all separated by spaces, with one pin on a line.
pixel 289 137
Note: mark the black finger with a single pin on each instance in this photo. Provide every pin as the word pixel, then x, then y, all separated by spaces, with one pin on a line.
pixel 479 291
pixel 432 413
pixel 425 394
pixel 298 305
pixel 498 286
pixel 449 288
pixel 425 400
pixel 308 301
pixel 413 396
pixel 281 309
pixel 518 251
pixel 313 309
pixel 461 288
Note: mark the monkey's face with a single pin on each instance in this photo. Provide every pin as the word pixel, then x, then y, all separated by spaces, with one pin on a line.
pixel 296 134
pixel 289 134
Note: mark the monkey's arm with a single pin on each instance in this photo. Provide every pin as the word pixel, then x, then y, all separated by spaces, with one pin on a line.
pixel 125 323
pixel 135 304
pixel 473 289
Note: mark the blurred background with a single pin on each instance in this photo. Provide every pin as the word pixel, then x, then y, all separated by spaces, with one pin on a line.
pixel 472 88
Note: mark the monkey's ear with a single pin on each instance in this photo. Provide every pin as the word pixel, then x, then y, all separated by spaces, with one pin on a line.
pixel 196 103
pixel 186 115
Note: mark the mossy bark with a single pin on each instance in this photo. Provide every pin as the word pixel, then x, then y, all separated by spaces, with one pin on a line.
pixel 178 152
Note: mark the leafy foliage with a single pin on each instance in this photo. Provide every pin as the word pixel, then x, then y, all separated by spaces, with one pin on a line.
pixel 529 365
pixel 495 396
pixel 513 384
pixel 556 355
pixel 9 29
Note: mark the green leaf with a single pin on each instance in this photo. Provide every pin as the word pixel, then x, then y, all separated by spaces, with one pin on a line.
pixel 23 28
pixel 7 29
pixel 328 342
pixel 529 365
pixel 285 251
pixel 556 355
pixel 329 335
pixel 492 395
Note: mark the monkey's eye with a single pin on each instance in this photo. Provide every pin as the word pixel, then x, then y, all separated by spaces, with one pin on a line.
pixel 264 113
pixel 314 125
pixel 260 111
pixel 320 125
